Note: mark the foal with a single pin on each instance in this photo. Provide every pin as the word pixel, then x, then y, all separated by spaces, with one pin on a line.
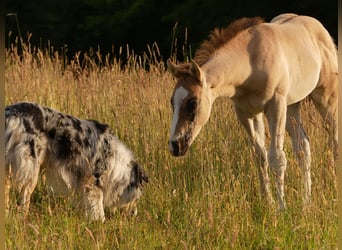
pixel 266 69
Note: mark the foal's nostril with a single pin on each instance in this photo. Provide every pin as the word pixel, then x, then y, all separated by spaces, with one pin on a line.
pixel 175 147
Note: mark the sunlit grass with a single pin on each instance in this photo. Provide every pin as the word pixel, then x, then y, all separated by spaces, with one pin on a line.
pixel 209 199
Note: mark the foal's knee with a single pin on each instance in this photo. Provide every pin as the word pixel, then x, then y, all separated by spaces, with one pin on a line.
pixel 277 160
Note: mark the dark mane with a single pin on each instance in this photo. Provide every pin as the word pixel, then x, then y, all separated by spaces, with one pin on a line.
pixel 219 37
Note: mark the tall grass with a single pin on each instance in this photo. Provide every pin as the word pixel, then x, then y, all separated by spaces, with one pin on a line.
pixel 208 199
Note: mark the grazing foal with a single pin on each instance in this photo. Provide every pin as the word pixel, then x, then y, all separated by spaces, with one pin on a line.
pixel 266 69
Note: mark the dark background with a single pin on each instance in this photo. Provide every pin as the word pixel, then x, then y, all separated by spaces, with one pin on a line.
pixel 78 25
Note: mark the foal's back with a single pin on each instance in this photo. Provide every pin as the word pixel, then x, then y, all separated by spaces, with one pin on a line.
pixel 304 56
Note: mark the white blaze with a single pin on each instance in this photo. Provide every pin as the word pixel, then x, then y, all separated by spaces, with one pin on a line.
pixel 178 97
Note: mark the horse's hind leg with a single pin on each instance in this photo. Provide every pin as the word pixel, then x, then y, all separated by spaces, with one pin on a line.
pixel 301 147
pixel 325 101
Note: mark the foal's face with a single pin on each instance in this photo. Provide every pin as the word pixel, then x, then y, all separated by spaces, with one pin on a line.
pixel 191 108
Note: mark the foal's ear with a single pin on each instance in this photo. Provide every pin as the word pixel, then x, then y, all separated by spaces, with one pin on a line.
pixel 172 67
pixel 196 71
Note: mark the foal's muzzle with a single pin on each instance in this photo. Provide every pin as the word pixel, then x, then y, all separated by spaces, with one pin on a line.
pixel 179 147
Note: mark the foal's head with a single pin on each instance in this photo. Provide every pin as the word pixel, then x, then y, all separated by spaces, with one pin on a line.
pixel 191 106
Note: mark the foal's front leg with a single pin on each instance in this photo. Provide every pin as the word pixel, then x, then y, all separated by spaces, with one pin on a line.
pixel 256 131
pixel 276 116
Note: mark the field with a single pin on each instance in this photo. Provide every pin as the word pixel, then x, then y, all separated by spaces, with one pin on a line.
pixel 208 199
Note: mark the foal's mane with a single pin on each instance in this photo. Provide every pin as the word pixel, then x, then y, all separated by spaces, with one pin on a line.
pixel 219 37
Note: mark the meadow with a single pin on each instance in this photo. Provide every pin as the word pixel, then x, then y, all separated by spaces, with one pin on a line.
pixel 208 199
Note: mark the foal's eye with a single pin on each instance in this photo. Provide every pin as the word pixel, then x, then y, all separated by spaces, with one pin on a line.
pixel 191 105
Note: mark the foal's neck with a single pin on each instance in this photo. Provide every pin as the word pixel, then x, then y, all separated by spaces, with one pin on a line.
pixel 225 71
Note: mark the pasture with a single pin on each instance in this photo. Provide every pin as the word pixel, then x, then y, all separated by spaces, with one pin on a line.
pixel 208 199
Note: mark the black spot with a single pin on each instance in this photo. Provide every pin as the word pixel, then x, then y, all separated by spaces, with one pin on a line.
pixel 48 113
pixel 28 126
pixel 64 146
pixel 61 116
pixel 97 179
pixel 140 175
pixel 32 110
pixel 97 175
pixel 97 162
pixel 101 128
pixel 75 123
pixel 48 110
pixel 100 165
pixel 32 148
pixel 98 183
pixel 106 142
pixel 86 142
pixel 52 133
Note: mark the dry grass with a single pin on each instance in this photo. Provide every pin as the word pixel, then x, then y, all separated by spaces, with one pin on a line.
pixel 207 200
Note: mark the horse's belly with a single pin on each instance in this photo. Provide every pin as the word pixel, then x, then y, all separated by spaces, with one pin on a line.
pixel 298 93
pixel 300 89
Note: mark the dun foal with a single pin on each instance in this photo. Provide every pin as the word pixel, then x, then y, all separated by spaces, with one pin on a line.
pixel 266 69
